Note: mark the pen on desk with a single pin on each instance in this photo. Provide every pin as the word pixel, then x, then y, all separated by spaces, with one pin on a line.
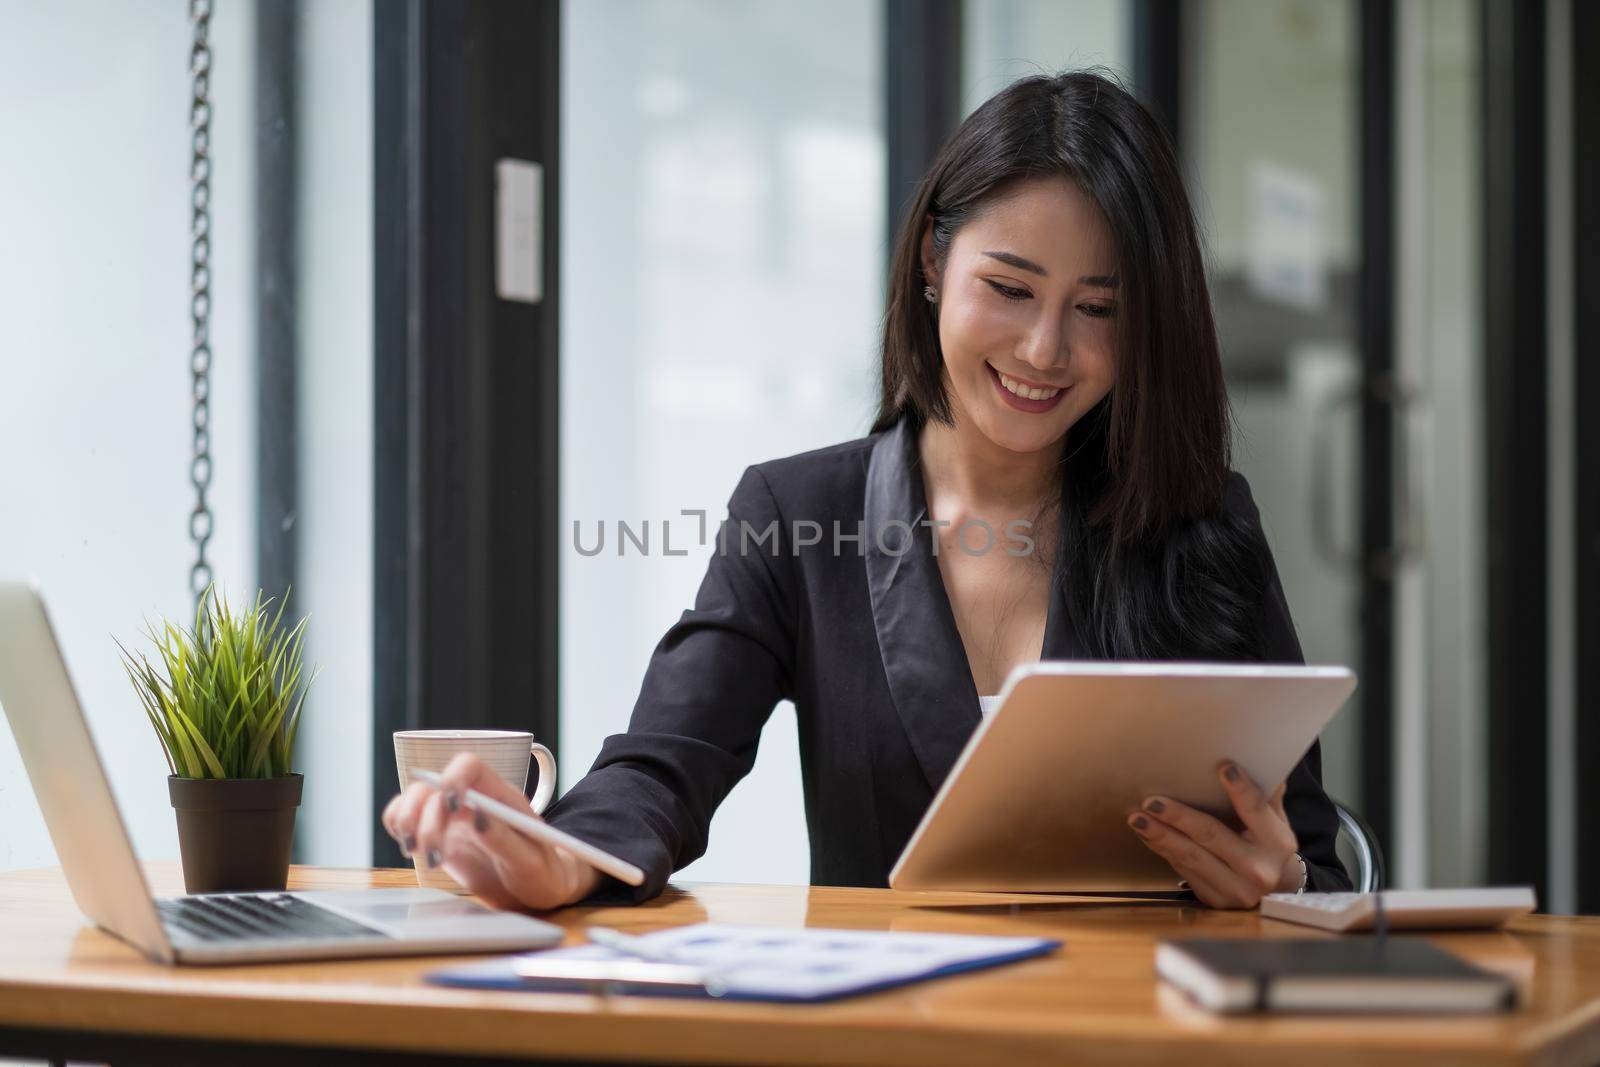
pixel 639 949
pixel 543 831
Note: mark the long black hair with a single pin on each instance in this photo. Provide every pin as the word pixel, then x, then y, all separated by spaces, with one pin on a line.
pixel 1153 565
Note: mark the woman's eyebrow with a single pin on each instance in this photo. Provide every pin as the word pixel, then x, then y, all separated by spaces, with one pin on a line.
pixel 1018 262
pixel 1104 281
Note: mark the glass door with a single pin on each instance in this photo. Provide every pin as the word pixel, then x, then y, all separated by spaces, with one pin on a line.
pixel 1334 152
pixel 1271 139
pixel 1270 129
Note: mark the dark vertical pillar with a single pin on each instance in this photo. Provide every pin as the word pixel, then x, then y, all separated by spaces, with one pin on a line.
pixel 1515 387
pixel 277 254
pixel 1376 325
pixel 466 388
pixel 398 330
pixel 922 68
pixel 277 213
pixel 1585 44
pixel 1158 61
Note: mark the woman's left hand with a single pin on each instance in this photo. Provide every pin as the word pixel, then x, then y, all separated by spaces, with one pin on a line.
pixel 1225 868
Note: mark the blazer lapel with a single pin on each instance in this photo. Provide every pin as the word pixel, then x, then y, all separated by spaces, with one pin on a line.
pixel 924 660
pixel 1060 635
pixel 923 657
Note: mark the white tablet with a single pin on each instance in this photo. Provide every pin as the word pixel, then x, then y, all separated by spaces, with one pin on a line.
pixel 1038 800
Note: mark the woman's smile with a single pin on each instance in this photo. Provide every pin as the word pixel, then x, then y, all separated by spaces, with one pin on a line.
pixel 1025 395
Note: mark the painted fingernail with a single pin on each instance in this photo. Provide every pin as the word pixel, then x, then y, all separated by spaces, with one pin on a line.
pixel 409 845
pixel 433 857
pixel 1231 772
pixel 1154 807
pixel 1140 822
pixel 452 802
pixel 480 821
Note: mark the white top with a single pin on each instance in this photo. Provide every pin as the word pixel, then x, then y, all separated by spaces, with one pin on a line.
pixel 986 704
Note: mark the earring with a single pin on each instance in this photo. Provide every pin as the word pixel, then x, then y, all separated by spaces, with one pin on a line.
pixel 929 293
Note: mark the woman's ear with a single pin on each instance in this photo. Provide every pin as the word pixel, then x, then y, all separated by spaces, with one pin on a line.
pixel 930 270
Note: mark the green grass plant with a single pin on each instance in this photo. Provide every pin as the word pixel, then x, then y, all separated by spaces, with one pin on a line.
pixel 225 695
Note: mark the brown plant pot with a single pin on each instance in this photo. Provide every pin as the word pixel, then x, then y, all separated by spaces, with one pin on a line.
pixel 235 833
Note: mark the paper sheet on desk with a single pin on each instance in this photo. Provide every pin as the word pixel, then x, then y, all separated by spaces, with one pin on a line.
pixel 782 963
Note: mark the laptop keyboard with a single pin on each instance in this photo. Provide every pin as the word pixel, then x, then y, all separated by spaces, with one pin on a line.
pixel 262 917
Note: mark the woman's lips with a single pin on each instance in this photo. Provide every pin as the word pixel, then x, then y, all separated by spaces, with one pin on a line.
pixel 1021 403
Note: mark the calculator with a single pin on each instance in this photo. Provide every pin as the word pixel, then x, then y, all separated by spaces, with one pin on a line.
pixel 1423 909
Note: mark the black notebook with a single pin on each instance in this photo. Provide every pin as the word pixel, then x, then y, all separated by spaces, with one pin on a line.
pixel 1387 974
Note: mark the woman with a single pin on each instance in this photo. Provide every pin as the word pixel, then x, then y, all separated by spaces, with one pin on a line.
pixel 1051 376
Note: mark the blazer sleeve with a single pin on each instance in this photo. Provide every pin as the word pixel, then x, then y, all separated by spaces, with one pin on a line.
pixel 1310 810
pixel 708 690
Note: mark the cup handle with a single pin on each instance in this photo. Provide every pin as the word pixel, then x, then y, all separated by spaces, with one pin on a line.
pixel 547 778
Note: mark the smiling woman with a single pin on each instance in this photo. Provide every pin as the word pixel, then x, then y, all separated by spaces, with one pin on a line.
pixel 1050 369
pixel 1056 241
pixel 1027 311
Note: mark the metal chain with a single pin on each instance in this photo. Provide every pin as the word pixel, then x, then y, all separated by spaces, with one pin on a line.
pixel 200 291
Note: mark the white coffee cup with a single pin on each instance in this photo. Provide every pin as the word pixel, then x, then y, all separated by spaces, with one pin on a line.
pixel 506 752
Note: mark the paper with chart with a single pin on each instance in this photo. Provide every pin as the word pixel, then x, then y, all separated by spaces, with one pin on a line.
pixel 773 962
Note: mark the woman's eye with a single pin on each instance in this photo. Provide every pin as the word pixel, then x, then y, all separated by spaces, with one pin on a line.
pixel 1094 311
pixel 1007 291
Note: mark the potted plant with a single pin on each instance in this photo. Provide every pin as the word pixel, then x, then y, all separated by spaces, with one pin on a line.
pixel 225 700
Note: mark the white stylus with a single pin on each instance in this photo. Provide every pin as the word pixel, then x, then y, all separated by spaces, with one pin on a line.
pixel 544 832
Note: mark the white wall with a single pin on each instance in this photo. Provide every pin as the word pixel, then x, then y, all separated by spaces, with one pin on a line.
pixel 1005 40
pixel 1449 367
pixel 94 356
pixel 722 253
pixel 1275 82
pixel 94 390
pixel 335 362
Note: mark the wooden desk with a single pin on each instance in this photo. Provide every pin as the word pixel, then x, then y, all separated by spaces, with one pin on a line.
pixel 68 990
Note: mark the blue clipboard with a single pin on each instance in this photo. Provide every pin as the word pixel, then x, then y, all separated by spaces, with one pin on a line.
pixel 751 963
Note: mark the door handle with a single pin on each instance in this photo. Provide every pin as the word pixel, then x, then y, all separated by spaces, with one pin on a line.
pixel 1411 515
pixel 1410 542
pixel 1324 537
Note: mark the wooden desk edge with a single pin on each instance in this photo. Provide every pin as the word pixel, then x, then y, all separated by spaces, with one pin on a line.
pixel 495 1023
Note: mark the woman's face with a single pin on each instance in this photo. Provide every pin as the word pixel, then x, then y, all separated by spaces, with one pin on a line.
pixel 1027 305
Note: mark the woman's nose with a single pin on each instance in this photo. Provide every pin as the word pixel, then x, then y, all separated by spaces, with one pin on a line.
pixel 1046 347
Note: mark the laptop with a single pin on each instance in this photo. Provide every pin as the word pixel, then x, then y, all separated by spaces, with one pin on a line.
pixel 109 886
pixel 1039 798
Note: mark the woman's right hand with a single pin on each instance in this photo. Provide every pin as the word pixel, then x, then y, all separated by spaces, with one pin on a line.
pixel 504 867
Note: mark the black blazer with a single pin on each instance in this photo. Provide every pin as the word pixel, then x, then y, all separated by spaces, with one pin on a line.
pixel 864 642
